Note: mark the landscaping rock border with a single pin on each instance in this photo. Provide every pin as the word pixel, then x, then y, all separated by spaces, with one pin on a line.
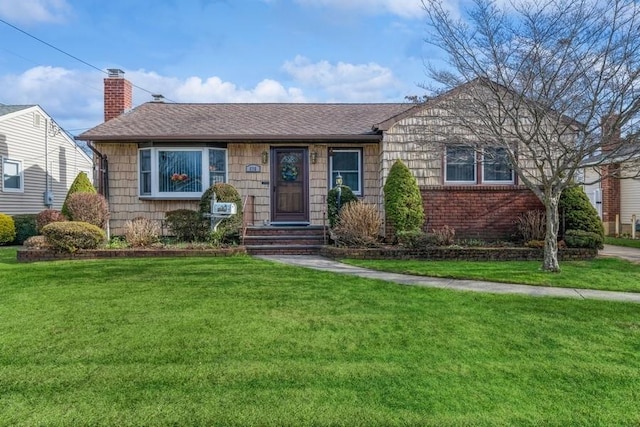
pixel 461 254
pixel 32 255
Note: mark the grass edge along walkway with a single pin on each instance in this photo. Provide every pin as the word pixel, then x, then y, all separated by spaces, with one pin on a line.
pixel 320 263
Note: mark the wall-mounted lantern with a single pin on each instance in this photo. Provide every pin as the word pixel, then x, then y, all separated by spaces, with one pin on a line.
pixel 314 157
pixel 265 157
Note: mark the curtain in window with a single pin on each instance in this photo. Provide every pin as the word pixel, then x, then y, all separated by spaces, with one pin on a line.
pixel 217 166
pixel 180 171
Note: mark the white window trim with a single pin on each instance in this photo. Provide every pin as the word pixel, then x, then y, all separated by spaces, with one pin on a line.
pixel 155 194
pixel 21 173
pixel 457 182
pixel 504 182
pixel 360 167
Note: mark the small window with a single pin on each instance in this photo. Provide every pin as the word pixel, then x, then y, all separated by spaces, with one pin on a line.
pixel 460 165
pixel 348 164
pixel 496 167
pixel 169 172
pixel 12 179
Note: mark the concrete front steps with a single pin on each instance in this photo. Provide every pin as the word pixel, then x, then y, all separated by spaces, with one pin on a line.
pixel 284 240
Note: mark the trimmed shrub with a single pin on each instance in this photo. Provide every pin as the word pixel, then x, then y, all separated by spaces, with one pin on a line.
pixel 88 207
pixel 402 199
pixel 7 229
pixel 333 208
pixel 187 225
pixel 228 230
pixel 583 239
pixel 80 185
pixel 358 225
pixel 37 242
pixel 69 236
pixel 416 239
pixel 532 225
pixel 48 216
pixel 577 213
pixel 140 232
pixel 25 227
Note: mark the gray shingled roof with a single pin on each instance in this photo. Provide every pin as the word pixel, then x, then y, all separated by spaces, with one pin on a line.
pixel 8 109
pixel 248 122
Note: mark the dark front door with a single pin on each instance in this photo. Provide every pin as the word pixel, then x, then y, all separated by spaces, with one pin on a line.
pixel 290 185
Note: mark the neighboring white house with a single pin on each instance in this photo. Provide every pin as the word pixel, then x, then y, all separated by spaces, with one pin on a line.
pixel 38 160
pixel 614 190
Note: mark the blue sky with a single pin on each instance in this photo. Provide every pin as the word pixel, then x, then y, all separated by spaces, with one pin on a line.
pixel 211 51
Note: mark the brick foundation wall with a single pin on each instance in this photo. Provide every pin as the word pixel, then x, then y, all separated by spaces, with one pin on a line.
pixel 480 212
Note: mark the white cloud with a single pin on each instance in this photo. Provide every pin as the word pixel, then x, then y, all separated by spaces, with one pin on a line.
pixel 403 8
pixel 212 89
pixel 75 98
pixel 345 82
pixel 31 11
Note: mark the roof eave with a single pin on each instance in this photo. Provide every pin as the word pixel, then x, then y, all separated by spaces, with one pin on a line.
pixel 375 137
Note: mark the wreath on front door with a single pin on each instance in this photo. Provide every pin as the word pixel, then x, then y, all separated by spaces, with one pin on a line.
pixel 289 171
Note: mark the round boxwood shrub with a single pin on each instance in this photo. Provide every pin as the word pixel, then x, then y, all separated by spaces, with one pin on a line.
pixel 187 225
pixel 228 230
pixel 80 185
pixel 577 212
pixel 583 239
pixel 25 227
pixel 402 199
pixel 69 236
pixel 7 229
pixel 333 208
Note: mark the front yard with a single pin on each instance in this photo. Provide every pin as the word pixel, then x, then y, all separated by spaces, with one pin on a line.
pixel 240 341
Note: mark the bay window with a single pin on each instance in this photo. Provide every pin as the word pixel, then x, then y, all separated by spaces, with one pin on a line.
pixel 348 164
pixel 180 172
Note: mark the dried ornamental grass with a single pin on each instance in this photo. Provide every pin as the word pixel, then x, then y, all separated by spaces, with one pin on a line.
pixel 358 225
pixel 141 232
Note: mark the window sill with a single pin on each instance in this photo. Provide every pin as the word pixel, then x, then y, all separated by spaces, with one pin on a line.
pixel 169 198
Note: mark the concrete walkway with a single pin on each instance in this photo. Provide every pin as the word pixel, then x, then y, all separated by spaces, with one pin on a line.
pixel 630 254
pixel 324 264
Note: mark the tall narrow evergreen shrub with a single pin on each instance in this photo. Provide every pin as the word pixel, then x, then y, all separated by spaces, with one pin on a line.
pixel 80 185
pixel 402 199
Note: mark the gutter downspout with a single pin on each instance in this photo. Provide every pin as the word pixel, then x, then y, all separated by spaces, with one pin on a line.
pixel 103 178
pixel 103 171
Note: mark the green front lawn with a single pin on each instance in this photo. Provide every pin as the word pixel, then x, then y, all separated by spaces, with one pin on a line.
pixel 619 241
pixel 240 341
pixel 602 273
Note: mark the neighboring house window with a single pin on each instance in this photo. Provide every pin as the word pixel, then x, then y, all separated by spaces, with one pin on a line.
pixel 460 164
pixel 12 179
pixel 184 172
pixel 347 163
pixel 496 167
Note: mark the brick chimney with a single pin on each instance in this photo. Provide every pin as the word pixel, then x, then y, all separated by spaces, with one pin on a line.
pixel 610 184
pixel 117 94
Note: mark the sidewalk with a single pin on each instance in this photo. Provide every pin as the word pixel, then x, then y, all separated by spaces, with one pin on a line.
pixel 630 254
pixel 324 264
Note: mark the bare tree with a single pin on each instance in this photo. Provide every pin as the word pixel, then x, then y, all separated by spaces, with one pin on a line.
pixel 537 78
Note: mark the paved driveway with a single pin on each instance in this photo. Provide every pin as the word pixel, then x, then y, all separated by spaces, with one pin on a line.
pixel 631 254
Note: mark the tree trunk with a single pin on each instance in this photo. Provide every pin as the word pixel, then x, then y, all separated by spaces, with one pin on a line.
pixel 550 262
